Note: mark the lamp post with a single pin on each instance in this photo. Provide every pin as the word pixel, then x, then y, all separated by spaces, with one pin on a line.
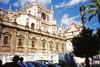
pixel 83 18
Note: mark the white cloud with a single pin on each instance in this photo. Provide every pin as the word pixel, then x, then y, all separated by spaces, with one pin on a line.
pixel 44 3
pixel 73 2
pixel 61 5
pixel 69 4
pixel 67 20
pixel 21 3
pixel 4 1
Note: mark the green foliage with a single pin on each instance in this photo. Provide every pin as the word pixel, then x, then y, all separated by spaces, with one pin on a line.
pixel 91 5
pixel 98 39
pixel 98 32
pixel 85 44
pixel 94 9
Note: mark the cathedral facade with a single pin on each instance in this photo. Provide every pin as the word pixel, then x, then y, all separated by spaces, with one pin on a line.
pixel 32 33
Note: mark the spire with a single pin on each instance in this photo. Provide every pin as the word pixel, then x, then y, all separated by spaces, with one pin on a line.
pixel 51 8
pixel 10 9
pixel 24 5
pixel 61 25
pixel 35 1
pixel 16 11
pixel 25 9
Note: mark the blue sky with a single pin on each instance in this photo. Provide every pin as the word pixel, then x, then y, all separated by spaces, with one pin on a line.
pixel 65 11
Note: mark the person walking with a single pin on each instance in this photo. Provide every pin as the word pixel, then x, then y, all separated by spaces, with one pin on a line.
pixel 13 63
pixel 1 63
pixel 21 63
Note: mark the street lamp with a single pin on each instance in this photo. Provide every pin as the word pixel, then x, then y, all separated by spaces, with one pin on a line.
pixel 82 11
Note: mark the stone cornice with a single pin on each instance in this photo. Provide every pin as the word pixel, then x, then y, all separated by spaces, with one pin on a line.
pixel 3 10
pixel 30 6
pixel 72 31
pixel 32 16
pixel 46 10
pixel 23 28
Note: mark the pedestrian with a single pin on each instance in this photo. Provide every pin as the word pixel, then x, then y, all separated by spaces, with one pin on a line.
pixel 1 63
pixel 13 63
pixel 21 63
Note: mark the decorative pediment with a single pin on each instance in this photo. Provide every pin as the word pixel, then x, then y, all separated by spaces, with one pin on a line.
pixel 21 36
pixel 73 27
pixel 7 33
pixel 33 38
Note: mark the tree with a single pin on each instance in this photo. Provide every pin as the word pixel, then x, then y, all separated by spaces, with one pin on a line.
pixel 98 38
pixel 93 9
pixel 85 45
pixel 98 33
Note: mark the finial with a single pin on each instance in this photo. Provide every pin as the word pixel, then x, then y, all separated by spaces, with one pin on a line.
pixel 61 25
pixel 10 9
pixel 51 7
pixel 25 8
pixel 24 5
pixel 35 2
pixel 16 10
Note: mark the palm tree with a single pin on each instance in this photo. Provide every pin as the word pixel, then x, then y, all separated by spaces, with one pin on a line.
pixel 93 9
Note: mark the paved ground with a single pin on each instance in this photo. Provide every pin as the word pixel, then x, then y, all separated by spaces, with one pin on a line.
pixel 96 65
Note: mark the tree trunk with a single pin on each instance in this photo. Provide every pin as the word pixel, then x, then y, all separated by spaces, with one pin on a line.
pixel 92 61
pixel 87 61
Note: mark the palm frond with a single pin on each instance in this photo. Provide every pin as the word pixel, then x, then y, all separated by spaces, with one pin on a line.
pixel 95 1
pixel 94 9
pixel 91 11
pixel 98 2
pixel 90 17
pixel 90 5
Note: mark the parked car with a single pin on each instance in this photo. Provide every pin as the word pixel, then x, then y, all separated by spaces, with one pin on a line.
pixel 35 64
pixel 29 64
pixel 49 63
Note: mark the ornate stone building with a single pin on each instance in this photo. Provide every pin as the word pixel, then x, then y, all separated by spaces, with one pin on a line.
pixel 73 29
pixel 32 33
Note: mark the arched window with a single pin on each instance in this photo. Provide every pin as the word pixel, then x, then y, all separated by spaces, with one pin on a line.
pixel 62 47
pixel 43 16
pixel 27 22
pixel 33 44
pixel 33 41
pixel 32 26
pixel 29 12
pixel 51 45
pixel 57 47
pixel 43 44
pixel 20 42
pixel 5 39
